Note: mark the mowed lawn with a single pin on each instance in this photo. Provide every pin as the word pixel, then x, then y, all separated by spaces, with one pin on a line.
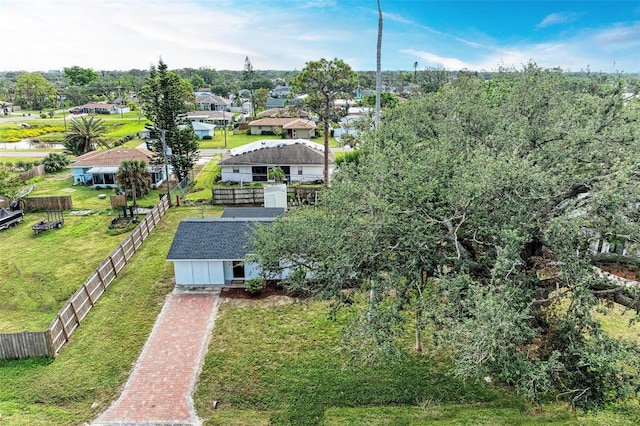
pixel 279 361
pixel 39 273
pixel 270 361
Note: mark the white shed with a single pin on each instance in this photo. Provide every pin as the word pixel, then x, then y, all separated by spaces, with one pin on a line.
pixel 209 252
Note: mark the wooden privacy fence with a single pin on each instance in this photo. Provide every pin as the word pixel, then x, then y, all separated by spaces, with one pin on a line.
pixel 62 202
pixel 254 195
pixel 238 196
pixel 33 172
pixel 49 342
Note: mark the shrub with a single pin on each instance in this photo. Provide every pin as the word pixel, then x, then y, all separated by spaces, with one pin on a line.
pixel 255 285
pixel 55 162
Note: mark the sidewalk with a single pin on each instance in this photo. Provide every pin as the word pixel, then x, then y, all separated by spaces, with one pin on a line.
pixel 159 390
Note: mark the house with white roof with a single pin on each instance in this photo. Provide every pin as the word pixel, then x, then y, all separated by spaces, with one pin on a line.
pixel 300 159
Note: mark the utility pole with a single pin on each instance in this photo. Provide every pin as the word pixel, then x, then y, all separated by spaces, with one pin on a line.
pixel 224 119
pixel 166 165
pixel 163 139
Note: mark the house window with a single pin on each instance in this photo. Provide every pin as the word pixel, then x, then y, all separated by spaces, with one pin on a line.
pixel 299 170
pixel 238 269
pixel 236 170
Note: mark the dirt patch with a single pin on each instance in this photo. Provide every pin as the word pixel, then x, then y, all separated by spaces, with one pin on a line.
pixel 271 289
pixel 623 271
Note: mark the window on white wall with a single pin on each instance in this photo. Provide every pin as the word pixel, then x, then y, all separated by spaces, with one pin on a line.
pixel 299 170
pixel 236 170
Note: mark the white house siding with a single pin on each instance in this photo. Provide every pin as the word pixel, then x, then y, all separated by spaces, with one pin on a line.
pixel 310 173
pixel 244 174
pixel 199 272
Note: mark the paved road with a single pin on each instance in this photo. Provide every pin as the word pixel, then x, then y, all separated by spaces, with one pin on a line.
pixel 159 390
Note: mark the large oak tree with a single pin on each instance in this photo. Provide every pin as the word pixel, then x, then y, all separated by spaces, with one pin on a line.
pixel 479 212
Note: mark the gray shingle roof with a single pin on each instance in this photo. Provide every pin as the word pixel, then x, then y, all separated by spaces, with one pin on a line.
pixel 277 151
pixel 212 238
pixel 252 212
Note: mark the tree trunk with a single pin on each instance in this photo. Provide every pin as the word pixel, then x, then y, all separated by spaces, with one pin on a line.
pixel 378 66
pixel 326 145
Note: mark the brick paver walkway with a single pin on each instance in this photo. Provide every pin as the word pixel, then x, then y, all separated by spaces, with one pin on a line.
pixel 159 391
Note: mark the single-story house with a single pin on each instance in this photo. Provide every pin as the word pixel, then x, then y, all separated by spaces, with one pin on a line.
pixel 219 118
pixel 210 252
pixel 206 101
pixel 203 130
pixel 300 159
pixel 99 168
pixel 103 108
pixel 283 113
pixel 293 127
pixel 276 103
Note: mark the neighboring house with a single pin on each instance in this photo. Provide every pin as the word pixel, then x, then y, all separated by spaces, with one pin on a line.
pixel 211 252
pixel 283 113
pixel 276 102
pixel 300 159
pixel 294 128
pixel 280 92
pixel 203 130
pixel 206 101
pixel 219 118
pixel 99 168
pixel 103 108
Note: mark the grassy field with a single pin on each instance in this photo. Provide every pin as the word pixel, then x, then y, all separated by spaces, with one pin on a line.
pixel 270 361
pixel 279 361
pixel 34 284
pixel 88 373
pixel 203 185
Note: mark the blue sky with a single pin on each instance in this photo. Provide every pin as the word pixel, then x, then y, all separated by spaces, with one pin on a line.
pixel 40 35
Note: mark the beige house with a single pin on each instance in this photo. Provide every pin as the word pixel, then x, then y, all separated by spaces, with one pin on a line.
pixel 293 128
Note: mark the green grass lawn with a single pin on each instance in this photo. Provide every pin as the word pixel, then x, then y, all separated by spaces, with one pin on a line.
pixel 203 186
pixel 270 361
pixel 279 362
pixel 89 372
pixel 83 197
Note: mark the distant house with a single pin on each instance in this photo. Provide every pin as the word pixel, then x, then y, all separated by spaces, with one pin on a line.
pixel 206 101
pixel 219 118
pixel 294 128
pixel 276 103
pixel 203 130
pixel 212 252
pixel 283 113
pixel 280 92
pixel 103 108
pixel 99 168
pixel 300 159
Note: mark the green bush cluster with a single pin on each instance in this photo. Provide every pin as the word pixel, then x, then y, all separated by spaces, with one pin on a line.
pixel 125 139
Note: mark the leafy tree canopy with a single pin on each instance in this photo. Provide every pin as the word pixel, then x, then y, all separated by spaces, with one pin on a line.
pixel 476 211
pixel 323 82
pixel 78 76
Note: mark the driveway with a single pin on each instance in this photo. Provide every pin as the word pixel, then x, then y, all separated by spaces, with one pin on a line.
pixel 160 388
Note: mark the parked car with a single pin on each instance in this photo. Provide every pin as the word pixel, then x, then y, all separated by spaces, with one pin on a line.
pixel 75 111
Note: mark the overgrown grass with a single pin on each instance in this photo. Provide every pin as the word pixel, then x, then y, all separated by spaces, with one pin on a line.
pixel 88 374
pixel 83 197
pixel 280 363
pixel 203 185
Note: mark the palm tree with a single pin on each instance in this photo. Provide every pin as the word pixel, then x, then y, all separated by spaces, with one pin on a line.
pixel 133 175
pixel 84 135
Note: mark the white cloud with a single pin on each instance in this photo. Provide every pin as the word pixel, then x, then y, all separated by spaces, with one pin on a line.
pixel 435 60
pixel 557 18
